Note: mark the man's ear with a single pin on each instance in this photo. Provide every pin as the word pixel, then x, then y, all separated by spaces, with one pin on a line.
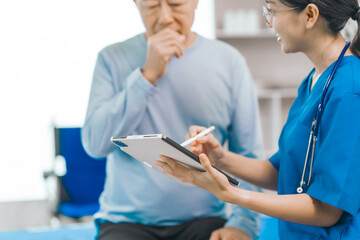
pixel 196 3
pixel 312 15
pixel 137 3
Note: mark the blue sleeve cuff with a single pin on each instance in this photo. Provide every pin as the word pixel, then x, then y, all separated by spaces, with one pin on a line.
pixel 275 160
pixel 248 222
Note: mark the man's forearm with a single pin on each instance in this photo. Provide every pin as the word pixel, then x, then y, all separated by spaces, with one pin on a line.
pixel 114 115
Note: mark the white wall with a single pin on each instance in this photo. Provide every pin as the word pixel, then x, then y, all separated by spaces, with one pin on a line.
pixel 48 51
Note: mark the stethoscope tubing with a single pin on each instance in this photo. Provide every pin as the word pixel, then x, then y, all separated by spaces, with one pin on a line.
pixel 316 123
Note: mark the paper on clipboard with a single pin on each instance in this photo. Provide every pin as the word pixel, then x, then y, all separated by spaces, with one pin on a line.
pixel 148 148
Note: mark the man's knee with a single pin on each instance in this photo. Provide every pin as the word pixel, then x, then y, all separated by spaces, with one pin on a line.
pixel 128 231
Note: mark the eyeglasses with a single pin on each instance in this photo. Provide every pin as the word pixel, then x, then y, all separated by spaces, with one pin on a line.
pixel 268 13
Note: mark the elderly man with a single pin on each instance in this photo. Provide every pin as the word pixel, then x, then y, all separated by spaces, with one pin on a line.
pixel 163 81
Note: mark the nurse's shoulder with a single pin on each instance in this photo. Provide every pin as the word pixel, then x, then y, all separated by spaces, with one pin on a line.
pixel 347 79
pixel 355 69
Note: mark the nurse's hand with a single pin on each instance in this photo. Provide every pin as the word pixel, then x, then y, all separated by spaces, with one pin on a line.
pixel 207 144
pixel 229 233
pixel 211 180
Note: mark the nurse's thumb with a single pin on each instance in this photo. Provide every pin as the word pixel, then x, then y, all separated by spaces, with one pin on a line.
pixel 205 162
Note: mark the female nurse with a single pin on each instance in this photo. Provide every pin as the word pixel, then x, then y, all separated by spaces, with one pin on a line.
pixel 319 199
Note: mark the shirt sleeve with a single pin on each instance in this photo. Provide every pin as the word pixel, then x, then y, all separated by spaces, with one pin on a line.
pixel 245 135
pixel 112 111
pixel 245 138
pixel 336 167
pixel 275 160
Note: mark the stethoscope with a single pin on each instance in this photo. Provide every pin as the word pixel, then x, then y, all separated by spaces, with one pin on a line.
pixel 315 124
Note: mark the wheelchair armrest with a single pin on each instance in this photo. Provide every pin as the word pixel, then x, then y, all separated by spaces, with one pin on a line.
pixel 50 173
pixel 59 168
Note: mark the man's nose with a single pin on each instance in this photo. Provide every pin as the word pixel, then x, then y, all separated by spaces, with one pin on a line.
pixel 165 14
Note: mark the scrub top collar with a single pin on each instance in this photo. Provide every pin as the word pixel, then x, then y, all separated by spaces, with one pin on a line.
pixel 319 85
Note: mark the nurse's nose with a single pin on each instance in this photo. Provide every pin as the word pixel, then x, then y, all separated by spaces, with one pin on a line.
pixel 270 22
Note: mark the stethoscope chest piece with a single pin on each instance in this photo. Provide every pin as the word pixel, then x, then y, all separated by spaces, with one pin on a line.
pixel 300 189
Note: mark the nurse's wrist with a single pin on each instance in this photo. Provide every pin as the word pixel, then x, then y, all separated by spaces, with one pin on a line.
pixel 237 196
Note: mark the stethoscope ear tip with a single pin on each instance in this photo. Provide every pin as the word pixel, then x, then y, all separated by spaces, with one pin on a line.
pixel 299 190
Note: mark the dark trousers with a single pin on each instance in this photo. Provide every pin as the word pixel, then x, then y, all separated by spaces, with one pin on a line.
pixel 197 229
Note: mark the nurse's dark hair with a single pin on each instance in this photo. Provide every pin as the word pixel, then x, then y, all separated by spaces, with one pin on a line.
pixel 336 13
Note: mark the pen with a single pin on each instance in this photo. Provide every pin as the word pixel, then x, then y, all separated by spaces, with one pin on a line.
pixel 203 133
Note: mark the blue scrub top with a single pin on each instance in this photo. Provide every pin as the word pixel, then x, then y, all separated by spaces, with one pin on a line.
pixel 336 170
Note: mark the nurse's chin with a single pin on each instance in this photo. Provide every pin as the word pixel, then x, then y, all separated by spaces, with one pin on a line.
pixel 286 49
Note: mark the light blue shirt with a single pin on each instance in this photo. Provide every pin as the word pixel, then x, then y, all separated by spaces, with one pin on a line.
pixel 210 85
pixel 336 168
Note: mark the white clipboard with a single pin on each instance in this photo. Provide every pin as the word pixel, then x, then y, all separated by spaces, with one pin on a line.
pixel 148 148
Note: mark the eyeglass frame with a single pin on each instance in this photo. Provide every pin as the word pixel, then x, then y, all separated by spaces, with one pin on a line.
pixel 268 13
